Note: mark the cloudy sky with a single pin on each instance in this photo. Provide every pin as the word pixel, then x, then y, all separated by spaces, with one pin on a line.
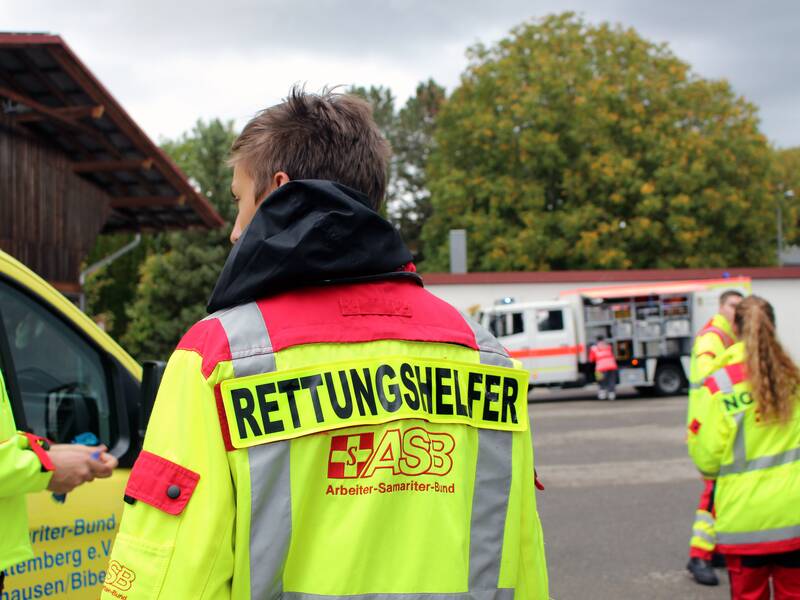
pixel 172 62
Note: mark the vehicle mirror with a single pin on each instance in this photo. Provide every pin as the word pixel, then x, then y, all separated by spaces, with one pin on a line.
pixel 152 372
pixel 69 413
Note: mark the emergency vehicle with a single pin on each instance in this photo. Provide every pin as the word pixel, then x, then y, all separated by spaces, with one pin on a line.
pixel 66 377
pixel 651 327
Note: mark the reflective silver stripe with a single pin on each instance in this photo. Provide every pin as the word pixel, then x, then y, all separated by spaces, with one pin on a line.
pixel 704 535
pixel 491 351
pixel 704 517
pixel 270 484
pixel 492 484
pixel 723 380
pixel 739 463
pixel 251 349
pixel 270 518
pixel 500 594
pixel 757 537
pixel 763 462
pixel 489 508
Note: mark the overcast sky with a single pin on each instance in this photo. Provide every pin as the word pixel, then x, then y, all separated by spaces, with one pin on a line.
pixel 170 62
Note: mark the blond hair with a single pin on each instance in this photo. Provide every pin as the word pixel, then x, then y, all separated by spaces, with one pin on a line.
pixel 773 376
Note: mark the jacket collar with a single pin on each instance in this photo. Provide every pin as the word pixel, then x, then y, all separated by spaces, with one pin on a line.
pixel 310 232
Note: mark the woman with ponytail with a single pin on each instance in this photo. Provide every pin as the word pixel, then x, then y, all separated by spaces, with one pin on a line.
pixel 748 439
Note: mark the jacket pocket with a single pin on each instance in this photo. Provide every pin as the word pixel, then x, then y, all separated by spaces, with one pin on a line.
pixel 146 580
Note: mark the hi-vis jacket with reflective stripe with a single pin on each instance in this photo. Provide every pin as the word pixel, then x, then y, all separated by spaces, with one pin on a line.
pixel 714 338
pixel 356 439
pixel 756 464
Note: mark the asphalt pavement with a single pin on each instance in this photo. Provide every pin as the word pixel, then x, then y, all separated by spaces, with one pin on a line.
pixel 620 494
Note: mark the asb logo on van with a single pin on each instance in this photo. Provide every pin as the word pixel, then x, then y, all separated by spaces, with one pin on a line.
pixel 413 452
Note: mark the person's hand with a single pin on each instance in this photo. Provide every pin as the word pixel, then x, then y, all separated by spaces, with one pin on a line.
pixel 74 465
pixel 104 463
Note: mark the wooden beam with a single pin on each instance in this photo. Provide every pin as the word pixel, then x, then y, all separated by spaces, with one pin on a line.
pixel 147 201
pixel 54 114
pixel 68 112
pixel 93 166
pixel 35 106
pixel 45 81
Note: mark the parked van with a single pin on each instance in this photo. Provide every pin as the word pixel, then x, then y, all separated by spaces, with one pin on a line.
pixel 66 377
pixel 651 327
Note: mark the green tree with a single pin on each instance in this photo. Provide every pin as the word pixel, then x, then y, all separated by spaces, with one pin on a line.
pixel 409 131
pixel 786 187
pixel 109 290
pixel 383 109
pixel 175 284
pixel 572 146
pixel 410 201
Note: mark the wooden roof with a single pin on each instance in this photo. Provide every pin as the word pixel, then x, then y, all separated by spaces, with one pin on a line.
pixel 49 92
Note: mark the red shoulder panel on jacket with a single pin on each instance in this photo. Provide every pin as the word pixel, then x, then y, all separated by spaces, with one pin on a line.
pixel 209 340
pixel 161 483
pixel 363 312
pixel 711 384
pixel 736 373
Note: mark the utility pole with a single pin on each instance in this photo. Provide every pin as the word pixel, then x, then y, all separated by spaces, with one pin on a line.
pixel 458 250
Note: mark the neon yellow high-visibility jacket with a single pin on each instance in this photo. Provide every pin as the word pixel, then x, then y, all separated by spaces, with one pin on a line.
pixel 20 473
pixel 756 464
pixel 355 439
pixel 714 338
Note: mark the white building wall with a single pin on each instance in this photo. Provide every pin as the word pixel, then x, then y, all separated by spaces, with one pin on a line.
pixel 784 294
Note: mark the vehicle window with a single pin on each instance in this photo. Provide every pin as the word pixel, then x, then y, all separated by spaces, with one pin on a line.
pixel 505 324
pixel 517 325
pixel 61 377
pixel 550 320
pixel 497 325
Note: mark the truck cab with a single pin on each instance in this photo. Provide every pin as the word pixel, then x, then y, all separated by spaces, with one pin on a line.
pixel 541 335
pixel 66 377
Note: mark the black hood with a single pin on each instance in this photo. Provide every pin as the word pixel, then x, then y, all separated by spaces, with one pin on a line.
pixel 309 232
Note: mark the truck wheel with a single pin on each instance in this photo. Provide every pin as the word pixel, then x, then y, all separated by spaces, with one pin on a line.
pixel 668 381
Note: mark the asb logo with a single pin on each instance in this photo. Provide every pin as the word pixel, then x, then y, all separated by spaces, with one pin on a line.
pixel 119 576
pixel 349 454
pixel 413 452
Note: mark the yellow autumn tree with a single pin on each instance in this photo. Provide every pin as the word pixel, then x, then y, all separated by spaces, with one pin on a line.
pixel 573 146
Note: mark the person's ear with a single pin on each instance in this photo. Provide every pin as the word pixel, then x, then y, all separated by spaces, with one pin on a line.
pixel 280 178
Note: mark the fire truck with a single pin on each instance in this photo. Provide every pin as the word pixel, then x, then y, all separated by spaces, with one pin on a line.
pixel 651 327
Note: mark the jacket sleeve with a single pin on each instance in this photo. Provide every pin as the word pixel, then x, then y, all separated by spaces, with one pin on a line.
pixel 165 548
pixel 708 349
pixel 708 435
pixel 20 470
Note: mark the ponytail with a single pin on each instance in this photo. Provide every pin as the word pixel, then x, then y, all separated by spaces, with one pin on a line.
pixel 774 377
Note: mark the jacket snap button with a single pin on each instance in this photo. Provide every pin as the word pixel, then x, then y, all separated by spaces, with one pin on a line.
pixel 173 492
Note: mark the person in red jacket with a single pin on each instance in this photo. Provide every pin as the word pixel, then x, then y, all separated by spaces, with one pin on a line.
pixel 605 368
